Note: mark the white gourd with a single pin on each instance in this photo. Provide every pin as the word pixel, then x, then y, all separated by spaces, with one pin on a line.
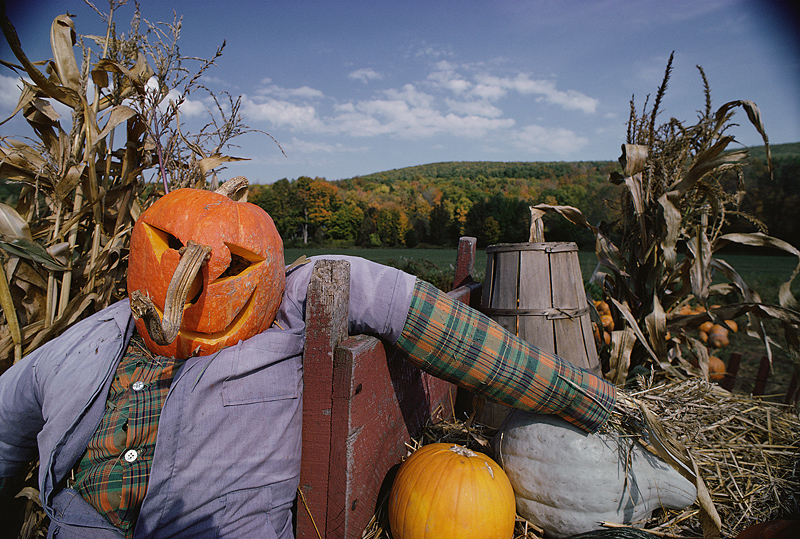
pixel 567 481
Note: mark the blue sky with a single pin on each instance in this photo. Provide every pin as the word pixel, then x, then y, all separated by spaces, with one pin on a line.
pixel 356 87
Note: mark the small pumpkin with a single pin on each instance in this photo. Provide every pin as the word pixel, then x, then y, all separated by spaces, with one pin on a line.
pixel 447 491
pixel 716 369
pixel 718 336
pixel 240 287
pixel 608 322
pixel 568 481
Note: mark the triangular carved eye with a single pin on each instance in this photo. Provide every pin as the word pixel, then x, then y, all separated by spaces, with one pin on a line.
pixel 241 261
pixel 237 266
pixel 161 240
pixel 173 242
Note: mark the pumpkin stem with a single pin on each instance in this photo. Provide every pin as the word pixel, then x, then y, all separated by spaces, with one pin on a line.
pixel 235 189
pixel 163 332
pixel 463 451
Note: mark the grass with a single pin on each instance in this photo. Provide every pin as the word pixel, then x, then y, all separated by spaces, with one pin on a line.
pixel 763 273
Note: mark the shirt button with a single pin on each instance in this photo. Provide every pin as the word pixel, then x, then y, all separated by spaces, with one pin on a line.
pixel 138 385
pixel 131 455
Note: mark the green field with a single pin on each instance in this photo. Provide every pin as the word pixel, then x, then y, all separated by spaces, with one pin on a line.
pixel 762 273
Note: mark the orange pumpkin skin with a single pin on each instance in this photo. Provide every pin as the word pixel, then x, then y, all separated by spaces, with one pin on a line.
pixel 440 493
pixel 225 305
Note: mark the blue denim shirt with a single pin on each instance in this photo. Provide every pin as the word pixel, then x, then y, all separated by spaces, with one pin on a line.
pixel 227 457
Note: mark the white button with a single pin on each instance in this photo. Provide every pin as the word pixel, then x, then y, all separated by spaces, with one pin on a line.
pixel 138 385
pixel 131 455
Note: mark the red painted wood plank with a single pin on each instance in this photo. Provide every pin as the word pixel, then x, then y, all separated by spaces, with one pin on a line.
pixel 385 401
pixel 761 377
pixel 360 408
pixel 732 371
pixel 792 393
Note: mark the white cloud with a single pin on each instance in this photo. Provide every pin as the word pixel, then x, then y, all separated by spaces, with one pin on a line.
pixel 281 113
pixel 425 50
pixel 474 108
pixel 493 87
pixel 365 75
pixel 409 113
pixel 459 100
pixel 445 76
pixel 303 92
pixel 537 139
pixel 308 147
pixel 9 92
pixel 190 108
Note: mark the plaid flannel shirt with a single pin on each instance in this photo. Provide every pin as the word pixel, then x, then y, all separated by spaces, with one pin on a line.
pixel 463 346
pixel 113 473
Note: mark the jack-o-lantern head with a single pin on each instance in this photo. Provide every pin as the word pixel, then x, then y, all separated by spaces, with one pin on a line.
pixel 240 284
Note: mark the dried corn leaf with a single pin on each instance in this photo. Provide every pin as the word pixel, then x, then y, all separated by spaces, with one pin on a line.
pixel 26 95
pixel 656 324
pixel 707 162
pixel 12 225
pixel 633 158
pixel 31 250
pixel 64 94
pixel 785 297
pixel 700 270
pixel 67 184
pixel 672 220
pixel 622 342
pixel 626 313
pixel 754 115
pixel 62 40
pixel 118 114
pixel 213 161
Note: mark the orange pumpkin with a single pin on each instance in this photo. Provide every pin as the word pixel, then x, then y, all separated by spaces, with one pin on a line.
pixel 446 491
pixel 716 369
pixel 241 285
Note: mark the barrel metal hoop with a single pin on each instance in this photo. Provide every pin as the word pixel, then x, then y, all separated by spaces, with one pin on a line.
pixel 553 313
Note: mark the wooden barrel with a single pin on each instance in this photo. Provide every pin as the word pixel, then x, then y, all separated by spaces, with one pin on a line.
pixel 535 290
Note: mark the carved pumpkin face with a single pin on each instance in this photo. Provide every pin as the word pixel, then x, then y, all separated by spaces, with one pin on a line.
pixel 240 287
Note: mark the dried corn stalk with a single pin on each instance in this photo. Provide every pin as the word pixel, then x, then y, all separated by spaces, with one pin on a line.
pixel 682 185
pixel 83 180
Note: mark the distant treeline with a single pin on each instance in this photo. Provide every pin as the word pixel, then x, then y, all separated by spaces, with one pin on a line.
pixel 437 203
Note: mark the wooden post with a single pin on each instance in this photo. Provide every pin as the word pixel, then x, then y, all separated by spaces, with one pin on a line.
pixel 465 261
pixel 731 371
pixel 327 304
pixel 792 393
pixel 761 377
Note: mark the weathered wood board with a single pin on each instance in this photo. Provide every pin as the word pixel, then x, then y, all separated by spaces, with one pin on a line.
pixel 363 401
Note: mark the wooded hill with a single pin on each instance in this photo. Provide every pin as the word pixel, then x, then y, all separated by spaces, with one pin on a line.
pixel 436 203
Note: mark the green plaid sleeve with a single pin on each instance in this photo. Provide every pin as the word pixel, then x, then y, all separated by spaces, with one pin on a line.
pixel 461 345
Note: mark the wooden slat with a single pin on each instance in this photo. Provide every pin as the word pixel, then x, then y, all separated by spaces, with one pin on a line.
pixel 327 308
pixel 731 371
pixel 535 292
pixel 504 289
pixel 762 376
pixel 380 403
pixel 465 261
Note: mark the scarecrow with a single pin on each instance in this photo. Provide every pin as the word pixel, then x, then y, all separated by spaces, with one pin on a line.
pixel 177 412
